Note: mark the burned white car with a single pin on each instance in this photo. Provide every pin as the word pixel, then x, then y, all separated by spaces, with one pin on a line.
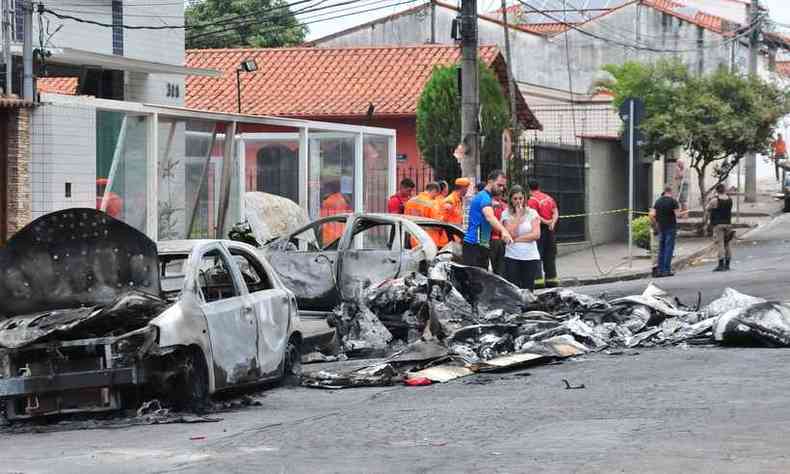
pixel 333 258
pixel 95 315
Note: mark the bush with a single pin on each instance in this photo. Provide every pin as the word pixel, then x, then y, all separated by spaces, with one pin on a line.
pixel 641 229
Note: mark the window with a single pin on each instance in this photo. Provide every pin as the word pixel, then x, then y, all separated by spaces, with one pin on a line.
pixel 410 242
pixel 117 27
pixel 375 236
pixel 215 279
pixel 171 274
pixel 253 273
pixel 324 236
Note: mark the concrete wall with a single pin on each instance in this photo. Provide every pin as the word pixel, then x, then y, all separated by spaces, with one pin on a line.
pixel 607 189
pixel 63 151
pixel 17 171
pixel 541 61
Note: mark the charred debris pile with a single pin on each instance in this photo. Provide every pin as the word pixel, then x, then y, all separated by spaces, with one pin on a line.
pixel 462 320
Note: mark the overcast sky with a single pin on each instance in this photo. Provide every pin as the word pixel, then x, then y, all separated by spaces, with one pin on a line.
pixel 780 11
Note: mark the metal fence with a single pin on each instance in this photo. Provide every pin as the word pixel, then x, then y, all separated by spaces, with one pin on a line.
pixel 560 170
pixel 421 175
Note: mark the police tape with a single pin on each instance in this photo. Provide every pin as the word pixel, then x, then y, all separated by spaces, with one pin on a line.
pixel 602 213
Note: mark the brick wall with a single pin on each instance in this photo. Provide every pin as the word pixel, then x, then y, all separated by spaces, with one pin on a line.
pixel 18 170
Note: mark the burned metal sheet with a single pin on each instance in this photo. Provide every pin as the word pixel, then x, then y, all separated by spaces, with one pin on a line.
pixel 73 258
pixel 761 324
pixel 486 291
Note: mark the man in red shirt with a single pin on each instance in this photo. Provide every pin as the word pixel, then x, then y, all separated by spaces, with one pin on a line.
pixel 496 252
pixel 397 201
pixel 547 245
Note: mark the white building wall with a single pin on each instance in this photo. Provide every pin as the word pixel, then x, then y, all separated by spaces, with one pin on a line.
pixel 63 151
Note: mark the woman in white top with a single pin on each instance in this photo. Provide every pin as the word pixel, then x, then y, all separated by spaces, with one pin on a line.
pixel 522 259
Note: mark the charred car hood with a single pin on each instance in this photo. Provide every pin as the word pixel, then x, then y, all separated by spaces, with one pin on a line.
pixel 127 313
pixel 72 259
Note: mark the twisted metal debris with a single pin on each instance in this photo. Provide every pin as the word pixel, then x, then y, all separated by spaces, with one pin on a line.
pixel 476 321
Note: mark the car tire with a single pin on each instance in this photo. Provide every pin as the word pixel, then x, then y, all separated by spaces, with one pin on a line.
pixel 787 205
pixel 192 393
pixel 292 363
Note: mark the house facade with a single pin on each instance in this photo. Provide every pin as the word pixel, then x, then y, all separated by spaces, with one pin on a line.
pixel 373 86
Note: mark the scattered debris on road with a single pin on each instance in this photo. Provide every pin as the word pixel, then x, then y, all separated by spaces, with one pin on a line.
pixel 461 320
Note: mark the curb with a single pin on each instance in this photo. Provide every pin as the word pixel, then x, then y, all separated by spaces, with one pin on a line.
pixel 679 264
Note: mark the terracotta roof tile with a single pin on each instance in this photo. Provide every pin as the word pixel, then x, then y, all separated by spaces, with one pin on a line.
pixel 328 82
pixel 783 68
pixel 58 85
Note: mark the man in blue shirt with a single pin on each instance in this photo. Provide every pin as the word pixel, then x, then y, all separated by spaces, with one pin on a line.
pixel 481 221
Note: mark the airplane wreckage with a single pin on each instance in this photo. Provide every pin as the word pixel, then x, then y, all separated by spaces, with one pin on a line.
pixel 94 311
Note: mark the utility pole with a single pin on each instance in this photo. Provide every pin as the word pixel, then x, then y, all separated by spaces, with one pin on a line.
pixel 754 45
pixel 7 58
pixel 27 51
pixel 515 133
pixel 470 92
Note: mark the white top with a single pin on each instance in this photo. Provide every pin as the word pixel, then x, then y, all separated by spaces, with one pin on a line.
pixel 522 250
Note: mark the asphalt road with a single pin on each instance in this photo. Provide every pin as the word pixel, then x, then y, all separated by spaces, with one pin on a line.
pixel 660 410
pixel 760 267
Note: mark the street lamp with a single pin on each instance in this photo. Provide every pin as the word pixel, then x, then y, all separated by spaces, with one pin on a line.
pixel 248 65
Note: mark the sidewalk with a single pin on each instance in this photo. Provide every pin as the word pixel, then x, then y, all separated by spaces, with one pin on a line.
pixel 579 268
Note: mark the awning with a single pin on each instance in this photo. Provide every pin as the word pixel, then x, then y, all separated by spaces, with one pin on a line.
pixel 78 57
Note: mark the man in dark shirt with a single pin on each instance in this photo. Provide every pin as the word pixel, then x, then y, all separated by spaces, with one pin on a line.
pixel 720 209
pixel 664 215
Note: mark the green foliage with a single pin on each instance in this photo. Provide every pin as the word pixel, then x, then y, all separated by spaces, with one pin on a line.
pixel 641 229
pixel 439 120
pixel 274 28
pixel 716 118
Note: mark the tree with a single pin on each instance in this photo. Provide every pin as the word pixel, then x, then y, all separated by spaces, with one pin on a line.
pixel 716 118
pixel 439 121
pixel 236 23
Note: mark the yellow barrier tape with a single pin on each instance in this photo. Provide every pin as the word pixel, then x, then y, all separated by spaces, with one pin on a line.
pixel 602 213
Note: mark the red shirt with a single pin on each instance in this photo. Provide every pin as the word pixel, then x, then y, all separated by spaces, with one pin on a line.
pixel 499 206
pixel 543 203
pixel 396 204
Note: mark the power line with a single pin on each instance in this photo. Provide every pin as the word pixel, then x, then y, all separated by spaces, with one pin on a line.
pixel 637 46
pixel 43 9
pixel 276 29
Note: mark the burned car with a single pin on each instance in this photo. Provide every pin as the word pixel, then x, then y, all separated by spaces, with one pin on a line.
pixel 334 258
pixel 95 314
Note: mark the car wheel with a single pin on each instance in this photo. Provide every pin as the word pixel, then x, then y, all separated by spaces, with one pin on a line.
pixel 292 363
pixel 192 392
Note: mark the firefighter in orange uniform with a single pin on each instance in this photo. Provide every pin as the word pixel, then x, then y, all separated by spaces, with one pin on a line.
pixel 426 205
pixel 451 209
pixel 334 203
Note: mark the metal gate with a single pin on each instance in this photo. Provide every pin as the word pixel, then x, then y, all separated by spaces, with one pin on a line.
pixel 560 170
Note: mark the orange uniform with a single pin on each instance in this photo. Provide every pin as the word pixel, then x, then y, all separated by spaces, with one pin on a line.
pixel 422 205
pixel 452 209
pixel 334 204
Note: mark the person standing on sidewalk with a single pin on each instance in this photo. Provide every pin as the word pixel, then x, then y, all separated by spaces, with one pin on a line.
pixel 547 210
pixel 664 214
pixel 522 259
pixel 497 253
pixel 720 209
pixel 482 221
pixel 779 151
pixel 397 202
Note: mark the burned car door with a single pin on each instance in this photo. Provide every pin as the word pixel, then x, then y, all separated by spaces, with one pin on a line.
pixel 272 306
pixel 371 254
pixel 232 324
pixel 305 262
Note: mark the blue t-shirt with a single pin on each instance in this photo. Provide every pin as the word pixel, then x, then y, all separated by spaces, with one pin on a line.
pixel 479 230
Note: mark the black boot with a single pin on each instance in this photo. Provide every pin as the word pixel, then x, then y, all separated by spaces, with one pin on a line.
pixel 727 264
pixel 721 266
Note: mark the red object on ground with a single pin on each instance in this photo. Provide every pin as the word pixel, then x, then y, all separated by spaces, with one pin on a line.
pixel 418 381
